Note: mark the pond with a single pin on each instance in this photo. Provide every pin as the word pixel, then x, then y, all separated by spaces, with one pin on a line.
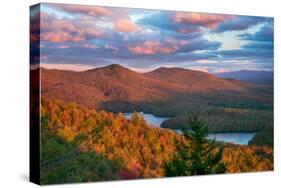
pixel 236 138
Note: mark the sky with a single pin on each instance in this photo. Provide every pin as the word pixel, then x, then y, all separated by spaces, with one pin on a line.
pixel 78 37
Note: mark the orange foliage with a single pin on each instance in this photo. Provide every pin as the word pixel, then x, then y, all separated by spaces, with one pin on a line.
pixel 142 150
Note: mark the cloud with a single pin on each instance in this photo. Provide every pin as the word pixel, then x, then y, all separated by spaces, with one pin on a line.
pixel 240 23
pixel 183 42
pixel 247 53
pixel 82 9
pixel 89 46
pixel 52 23
pixel 146 39
pixel 164 22
pixel 60 37
pixel 58 30
pixel 125 25
pixel 265 34
pixel 110 47
pixel 210 21
pixel 71 45
pixel 259 45
pixel 187 31
pixel 200 44
pixel 153 47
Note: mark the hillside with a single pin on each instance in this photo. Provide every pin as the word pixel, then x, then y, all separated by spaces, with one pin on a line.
pixel 194 81
pixel 227 120
pixel 111 83
pixel 125 148
pixel 116 88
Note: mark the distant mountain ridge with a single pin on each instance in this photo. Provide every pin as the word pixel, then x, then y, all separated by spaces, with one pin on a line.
pixel 255 77
pixel 116 88
pixel 194 80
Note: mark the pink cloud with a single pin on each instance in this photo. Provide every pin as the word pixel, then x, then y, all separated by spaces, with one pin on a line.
pixel 125 25
pixel 88 33
pixel 56 30
pixel 60 37
pixel 186 31
pixel 174 42
pixel 210 21
pixel 76 45
pixel 49 23
pixel 183 42
pixel 83 9
pixel 153 47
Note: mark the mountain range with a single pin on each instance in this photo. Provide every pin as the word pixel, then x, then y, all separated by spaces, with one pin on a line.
pixel 116 88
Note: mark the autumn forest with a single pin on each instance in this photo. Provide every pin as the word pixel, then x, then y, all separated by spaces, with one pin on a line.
pixel 79 144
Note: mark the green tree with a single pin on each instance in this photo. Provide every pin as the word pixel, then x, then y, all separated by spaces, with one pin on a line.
pixel 61 161
pixel 199 156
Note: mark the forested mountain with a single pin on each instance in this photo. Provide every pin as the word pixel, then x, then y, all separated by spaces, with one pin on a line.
pixel 194 81
pixel 116 88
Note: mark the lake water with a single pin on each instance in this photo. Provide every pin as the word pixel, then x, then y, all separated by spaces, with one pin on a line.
pixel 236 138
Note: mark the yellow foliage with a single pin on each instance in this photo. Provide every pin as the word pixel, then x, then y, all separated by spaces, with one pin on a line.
pixel 66 134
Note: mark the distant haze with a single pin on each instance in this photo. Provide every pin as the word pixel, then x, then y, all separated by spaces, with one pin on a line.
pixel 257 77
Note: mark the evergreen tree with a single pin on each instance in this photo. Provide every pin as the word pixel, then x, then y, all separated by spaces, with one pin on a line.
pixel 199 156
